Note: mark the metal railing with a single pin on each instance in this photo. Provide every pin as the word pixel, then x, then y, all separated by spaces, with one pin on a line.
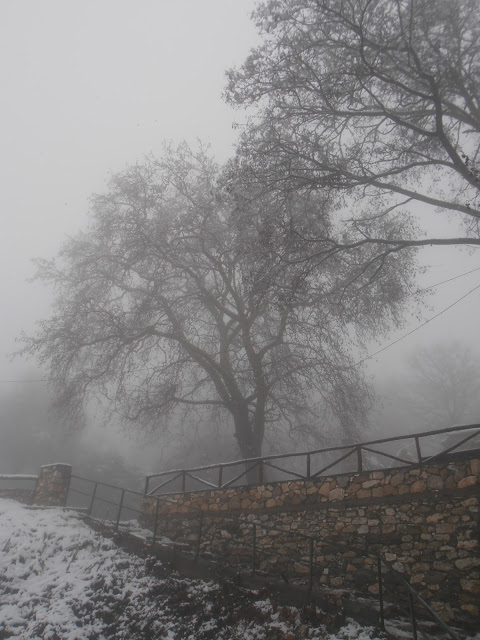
pixel 313 543
pixel 253 550
pixel 111 507
pixel 107 506
pixel 308 465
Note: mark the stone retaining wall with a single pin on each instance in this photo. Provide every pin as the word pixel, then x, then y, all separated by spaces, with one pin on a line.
pixel 22 495
pixel 424 520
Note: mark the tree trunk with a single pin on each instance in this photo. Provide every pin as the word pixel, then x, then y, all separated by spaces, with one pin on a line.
pixel 249 447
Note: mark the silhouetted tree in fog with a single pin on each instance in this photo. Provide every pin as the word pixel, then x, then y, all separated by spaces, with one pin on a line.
pixel 173 300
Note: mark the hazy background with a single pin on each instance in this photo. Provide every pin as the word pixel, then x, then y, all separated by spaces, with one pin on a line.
pixel 90 87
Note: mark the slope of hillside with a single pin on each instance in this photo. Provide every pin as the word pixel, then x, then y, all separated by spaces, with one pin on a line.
pixel 61 580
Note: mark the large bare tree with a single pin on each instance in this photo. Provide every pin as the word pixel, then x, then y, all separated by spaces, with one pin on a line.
pixel 167 302
pixel 377 101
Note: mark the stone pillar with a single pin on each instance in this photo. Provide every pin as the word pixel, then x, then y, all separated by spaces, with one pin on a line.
pixel 52 485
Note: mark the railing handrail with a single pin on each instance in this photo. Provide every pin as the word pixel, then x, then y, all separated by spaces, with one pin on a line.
pixel 365 552
pixel 352 447
pixel 97 483
pixel 18 476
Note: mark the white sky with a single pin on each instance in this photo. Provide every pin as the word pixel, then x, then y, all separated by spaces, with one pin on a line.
pixel 89 87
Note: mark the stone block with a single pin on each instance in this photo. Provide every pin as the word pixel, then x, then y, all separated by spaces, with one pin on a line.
pixel 397 479
pixel 468 481
pixel 336 494
pixel 435 483
pixel 369 484
pixel 324 489
pixel 419 486
pixel 474 467
pixel 472 586
pixel 445 527
pixel 364 493
pixel 467 563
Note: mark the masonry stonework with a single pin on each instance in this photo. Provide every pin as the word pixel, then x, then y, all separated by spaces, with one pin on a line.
pixel 52 485
pixel 19 494
pixel 424 521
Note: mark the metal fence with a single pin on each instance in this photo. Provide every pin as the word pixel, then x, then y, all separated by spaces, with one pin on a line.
pixel 307 559
pixel 249 546
pixel 384 453
pixel 105 502
pixel 111 505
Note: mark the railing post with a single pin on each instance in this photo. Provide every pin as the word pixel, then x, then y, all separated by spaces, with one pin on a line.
pixel 359 458
pixel 184 480
pixel 197 552
pixel 254 548
pixel 147 481
pixel 309 463
pixel 120 508
pixel 220 476
pixel 310 578
pixel 412 616
pixel 155 524
pixel 260 471
pixel 92 499
pixel 380 593
pixel 417 445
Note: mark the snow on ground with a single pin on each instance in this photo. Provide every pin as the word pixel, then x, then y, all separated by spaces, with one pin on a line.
pixel 59 579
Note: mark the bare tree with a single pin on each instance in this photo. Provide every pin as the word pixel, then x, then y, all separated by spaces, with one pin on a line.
pixel 167 303
pixel 376 101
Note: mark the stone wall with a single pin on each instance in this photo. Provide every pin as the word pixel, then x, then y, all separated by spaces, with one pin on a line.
pixel 18 493
pixel 52 485
pixel 424 520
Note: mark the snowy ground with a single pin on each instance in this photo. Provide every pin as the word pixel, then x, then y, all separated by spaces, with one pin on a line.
pixel 61 580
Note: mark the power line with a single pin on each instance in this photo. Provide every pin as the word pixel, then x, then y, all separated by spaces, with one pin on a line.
pixel 372 355
pixel 443 282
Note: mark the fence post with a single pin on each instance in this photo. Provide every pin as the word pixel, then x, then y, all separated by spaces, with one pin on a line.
pixel 155 524
pixel 417 445
pixel 359 458
pixel 147 482
pixel 92 499
pixel 308 465
pixel 260 471
pixel 254 548
pixel 380 593
pixel 310 578
pixel 184 479
pixel 412 616
pixel 220 476
pixel 120 509
pixel 197 553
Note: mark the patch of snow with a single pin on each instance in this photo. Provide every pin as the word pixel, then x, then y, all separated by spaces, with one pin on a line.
pixel 353 631
pixel 56 464
pixel 59 579
pixel 264 605
pixel 17 476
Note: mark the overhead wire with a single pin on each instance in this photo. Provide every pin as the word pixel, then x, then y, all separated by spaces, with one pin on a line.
pixel 432 286
pixel 391 344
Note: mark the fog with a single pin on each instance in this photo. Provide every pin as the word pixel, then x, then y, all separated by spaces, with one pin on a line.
pixel 89 88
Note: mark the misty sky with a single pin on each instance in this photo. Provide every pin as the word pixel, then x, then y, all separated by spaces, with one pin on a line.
pixel 90 87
